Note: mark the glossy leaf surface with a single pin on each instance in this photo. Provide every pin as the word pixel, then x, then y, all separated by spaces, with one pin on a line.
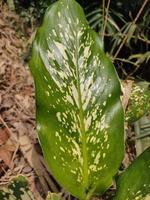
pixel 79 113
pixel 134 183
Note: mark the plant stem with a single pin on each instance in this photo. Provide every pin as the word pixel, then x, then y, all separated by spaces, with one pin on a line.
pixel 82 126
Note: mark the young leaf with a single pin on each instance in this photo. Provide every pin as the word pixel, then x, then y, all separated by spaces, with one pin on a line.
pixel 79 113
pixel 134 183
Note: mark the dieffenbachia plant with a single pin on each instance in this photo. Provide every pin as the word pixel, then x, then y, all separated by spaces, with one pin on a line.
pixel 80 118
pixel 134 183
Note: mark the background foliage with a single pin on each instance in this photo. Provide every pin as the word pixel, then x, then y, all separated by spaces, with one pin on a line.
pixel 116 22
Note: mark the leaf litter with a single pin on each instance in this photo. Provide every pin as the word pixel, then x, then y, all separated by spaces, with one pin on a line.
pixel 18 141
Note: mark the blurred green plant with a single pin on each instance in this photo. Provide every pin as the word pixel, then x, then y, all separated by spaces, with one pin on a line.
pixel 134 182
pixel 139 102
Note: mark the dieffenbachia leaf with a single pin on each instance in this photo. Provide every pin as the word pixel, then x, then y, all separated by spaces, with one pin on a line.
pixel 134 183
pixel 79 113
pixel 139 102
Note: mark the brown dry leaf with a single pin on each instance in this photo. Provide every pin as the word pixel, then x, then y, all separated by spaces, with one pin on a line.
pixel 126 89
pixel 126 160
pixel 4 135
pixel 10 146
pixel 6 156
pixel 23 100
pixel 18 104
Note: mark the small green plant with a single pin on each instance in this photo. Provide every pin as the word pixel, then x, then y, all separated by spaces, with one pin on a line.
pixel 79 114
pixel 17 189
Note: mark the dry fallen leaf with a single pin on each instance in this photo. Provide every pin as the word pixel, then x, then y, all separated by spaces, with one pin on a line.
pixel 4 135
pixel 126 89
pixel 6 156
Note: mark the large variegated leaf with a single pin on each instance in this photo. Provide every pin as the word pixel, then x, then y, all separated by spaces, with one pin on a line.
pixel 134 183
pixel 79 113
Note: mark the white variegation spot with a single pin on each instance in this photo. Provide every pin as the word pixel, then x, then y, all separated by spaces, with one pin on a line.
pixel 59 15
pixel 69 99
pixel 88 122
pixel 104 103
pixel 47 93
pixel 69 20
pixel 97 158
pixel 50 55
pixel 62 49
pixel 75 94
pixel 58 135
pixel 62 149
pixel 58 115
pixel 104 155
pixel 54 32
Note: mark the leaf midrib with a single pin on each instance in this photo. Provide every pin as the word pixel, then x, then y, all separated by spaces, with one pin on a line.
pixel 82 125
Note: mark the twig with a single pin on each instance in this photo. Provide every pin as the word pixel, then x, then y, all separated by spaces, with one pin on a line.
pixel 14 154
pixel 11 137
pixel 122 34
pixel 123 70
pixel 127 61
pixel 10 132
pixel 105 17
pixel 133 22
pixel 137 67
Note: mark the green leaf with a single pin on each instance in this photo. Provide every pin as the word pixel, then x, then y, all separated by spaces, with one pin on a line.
pixel 134 183
pixel 139 102
pixel 79 113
